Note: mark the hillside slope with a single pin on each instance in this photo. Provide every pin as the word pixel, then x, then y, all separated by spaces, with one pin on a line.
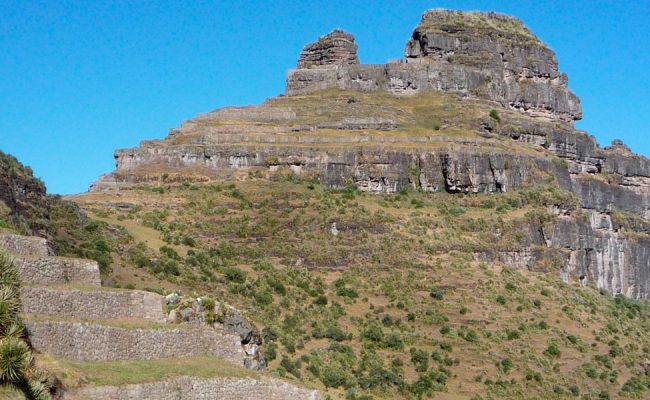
pixel 430 227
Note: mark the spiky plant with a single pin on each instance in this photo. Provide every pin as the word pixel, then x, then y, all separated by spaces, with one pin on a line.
pixel 16 359
pixel 9 276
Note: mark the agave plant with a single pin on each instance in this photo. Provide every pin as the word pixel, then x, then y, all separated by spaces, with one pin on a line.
pixel 15 359
pixel 9 276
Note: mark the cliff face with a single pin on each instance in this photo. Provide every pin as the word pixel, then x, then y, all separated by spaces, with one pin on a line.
pixel 478 106
pixel 23 200
pixel 483 55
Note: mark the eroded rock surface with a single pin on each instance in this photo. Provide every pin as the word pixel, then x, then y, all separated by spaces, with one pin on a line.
pixel 335 48
pixel 487 111
pixel 485 55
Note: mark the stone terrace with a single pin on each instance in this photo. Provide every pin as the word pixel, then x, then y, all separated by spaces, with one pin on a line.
pixel 70 316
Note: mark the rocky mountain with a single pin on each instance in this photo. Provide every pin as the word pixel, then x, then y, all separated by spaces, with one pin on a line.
pixel 478 105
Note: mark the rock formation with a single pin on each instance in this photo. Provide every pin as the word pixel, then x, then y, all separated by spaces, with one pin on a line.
pixel 492 55
pixel 484 55
pixel 335 48
pixel 478 106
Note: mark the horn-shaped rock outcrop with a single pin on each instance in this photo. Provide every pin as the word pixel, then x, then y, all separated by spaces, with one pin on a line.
pixel 335 48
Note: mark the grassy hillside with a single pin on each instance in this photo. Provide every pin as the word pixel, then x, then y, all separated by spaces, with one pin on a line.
pixel 368 296
pixel 27 209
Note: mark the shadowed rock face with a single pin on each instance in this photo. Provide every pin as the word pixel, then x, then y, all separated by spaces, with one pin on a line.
pixel 335 48
pixel 483 55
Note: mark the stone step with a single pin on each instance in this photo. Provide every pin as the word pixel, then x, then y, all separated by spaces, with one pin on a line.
pixel 92 303
pixel 113 340
pixel 194 388
pixel 47 270
pixel 24 245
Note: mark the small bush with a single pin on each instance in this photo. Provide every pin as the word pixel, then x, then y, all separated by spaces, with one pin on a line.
pixel 553 351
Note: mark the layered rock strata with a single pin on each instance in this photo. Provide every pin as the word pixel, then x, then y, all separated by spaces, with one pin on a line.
pixel 484 55
pixel 489 111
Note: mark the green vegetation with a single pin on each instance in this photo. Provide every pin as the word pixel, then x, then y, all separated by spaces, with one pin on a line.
pixel 68 230
pixel 394 304
pixel 119 373
pixel 17 367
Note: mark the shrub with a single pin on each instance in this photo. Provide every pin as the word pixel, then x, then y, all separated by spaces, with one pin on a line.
pixel 292 367
pixel 501 300
pixel 471 336
pixel 514 334
pixel 437 294
pixel 446 346
pixel 394 341
pixel 494 114
pixel 321 300
pixel 263 297
pixel 505 365
pixel 234 274
pixel 419 359
pixel 334 375
pixel 552 351
pixel 373 333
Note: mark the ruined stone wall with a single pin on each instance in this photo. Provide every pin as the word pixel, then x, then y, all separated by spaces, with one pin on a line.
pixel 58 270
pixel 184 387
pixel 92 304
pixel 103 342
pixel 24 245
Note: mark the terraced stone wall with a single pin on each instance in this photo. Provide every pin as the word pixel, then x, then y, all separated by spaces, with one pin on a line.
pixel 58 270
pixel 103 342
pixel 90 304
pixel 198 388
pixel 24 245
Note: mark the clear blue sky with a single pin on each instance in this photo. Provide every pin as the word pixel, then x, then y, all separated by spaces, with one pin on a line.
pixel 79 79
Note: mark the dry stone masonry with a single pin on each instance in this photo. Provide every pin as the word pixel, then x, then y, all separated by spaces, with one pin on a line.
pixel 91 304
pixel 68 315
pixel 24 245
pixel 58 270
pixel 91 341
pixel 200 389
